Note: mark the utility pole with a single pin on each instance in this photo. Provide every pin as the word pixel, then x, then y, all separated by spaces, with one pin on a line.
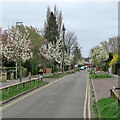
pixel 63 47
pixel 118 47
pixel 17 23
pixel 118 69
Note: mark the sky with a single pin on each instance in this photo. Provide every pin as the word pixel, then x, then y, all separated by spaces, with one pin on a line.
pixel 92 22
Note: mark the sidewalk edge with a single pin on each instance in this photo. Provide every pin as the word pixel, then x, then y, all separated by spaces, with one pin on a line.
pixel 95 98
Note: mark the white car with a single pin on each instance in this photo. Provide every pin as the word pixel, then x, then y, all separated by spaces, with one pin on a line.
pixel 82 68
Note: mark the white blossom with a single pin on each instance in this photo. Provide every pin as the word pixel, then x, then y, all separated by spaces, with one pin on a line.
pixel 99 54
pixel 17 46
pixel 54 52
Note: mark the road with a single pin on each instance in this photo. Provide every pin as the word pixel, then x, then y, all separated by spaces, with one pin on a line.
pixel 62 99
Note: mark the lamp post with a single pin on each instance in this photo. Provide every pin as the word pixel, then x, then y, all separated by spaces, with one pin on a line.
pixel 63 28
pixel 17 23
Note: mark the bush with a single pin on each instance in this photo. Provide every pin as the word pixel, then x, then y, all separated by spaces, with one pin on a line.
pixel 114 68
pixel 28 65
pixel 98 76
pixel 105 67
pixel 92 70
pixel 25 71
pixel 99 67
pixel 35 71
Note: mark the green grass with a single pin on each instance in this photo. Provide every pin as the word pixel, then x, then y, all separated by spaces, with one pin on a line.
pixel 13 92
pixel 59 75
pixel 95 109
pixel 99 76
pixel 108 108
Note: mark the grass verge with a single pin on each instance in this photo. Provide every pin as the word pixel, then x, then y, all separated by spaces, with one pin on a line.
pixel 12 91
pixel 94 107
pixel 108 108
pixel 58 75
pixel 100 76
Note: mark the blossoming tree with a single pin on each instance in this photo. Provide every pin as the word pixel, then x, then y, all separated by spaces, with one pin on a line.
pixel 99 55
pixel 0 47
pixel 81 62
pixel 17 48
pixel 53 52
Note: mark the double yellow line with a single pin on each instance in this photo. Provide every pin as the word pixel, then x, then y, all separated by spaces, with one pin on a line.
pixel 87 99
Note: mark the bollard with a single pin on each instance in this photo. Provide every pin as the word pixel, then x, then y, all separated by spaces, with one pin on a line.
pixel 28 83
pixel 38 80
pixel 34 82
pixel 41 79
pixel 118 102
pixel 6 90
pixel 16 87
pixel 23 85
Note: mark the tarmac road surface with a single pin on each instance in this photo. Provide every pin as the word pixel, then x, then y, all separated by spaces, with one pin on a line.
pixel 62 99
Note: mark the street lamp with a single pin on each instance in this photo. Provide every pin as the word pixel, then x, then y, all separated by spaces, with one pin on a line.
pixel 63 28
pixel 17 23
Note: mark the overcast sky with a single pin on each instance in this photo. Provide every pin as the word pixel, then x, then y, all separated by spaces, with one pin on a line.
pixel 92 22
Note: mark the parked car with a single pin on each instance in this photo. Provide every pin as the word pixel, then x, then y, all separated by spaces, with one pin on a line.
pixel 86 66
pixel 82 68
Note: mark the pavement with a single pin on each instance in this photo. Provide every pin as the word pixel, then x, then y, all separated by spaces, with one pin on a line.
pixel 102 87
pixel 61 99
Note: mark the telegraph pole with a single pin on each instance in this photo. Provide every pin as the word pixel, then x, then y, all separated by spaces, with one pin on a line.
pixel 63 47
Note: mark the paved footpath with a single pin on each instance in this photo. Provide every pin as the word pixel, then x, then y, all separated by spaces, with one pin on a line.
pixel 102 87
pixel 62 99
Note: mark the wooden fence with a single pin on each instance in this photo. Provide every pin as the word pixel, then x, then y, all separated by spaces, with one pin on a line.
pixel 29 81
pixel 22 83
pixel 113 94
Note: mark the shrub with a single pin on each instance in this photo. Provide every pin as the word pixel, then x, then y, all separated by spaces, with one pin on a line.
pixel 35 71
pixel 114 68
pixel 25 71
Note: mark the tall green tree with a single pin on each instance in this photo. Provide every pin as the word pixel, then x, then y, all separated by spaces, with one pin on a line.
pixel 77 54
pixel 59 19
pixel 51 29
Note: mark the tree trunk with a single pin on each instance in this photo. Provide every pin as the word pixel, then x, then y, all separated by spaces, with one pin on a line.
pixel 20 71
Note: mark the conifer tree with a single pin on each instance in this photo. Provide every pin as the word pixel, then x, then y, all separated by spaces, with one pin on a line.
pixel 51 29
